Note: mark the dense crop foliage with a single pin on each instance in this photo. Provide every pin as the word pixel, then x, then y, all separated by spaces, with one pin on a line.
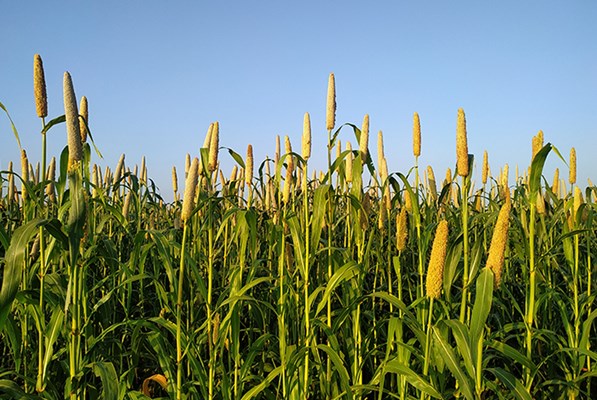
pixel 282 282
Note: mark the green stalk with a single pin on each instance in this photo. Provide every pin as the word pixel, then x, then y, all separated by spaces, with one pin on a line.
pixel 179 314
pixel 531 294
pixel 212 359
pixel 428 343
pixel 306 284
pixel 465 275
pixel 40 385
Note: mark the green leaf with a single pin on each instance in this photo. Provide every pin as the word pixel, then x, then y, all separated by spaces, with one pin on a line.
pixel 512 353
pixel 339 368
pixel 483 299
pixel 51 334
pixel 346 272
pixel 107 373
pixel 265 383
pixel 12 125
pixel 419 382
pixel 13 390
pixel 515 386
pixel 453 363
pixel 537 171
pixel 14 261
pixel 55 121
pixel 461 334
pixel 237 157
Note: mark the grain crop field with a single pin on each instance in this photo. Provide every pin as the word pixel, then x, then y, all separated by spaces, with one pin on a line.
pixel 277 281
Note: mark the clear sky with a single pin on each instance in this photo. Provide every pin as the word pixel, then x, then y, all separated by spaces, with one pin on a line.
pixel 156 74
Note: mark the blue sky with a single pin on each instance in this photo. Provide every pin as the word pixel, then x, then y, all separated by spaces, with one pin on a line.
pixel 157 73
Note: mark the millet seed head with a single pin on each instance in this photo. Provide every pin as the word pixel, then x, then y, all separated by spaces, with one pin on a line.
pixel 83 118
pixel 306 142
pixel 39 87
pixel 499 240
pixel 435 270
pixel 330 116
pixel 188 202
pixel 73 131
pixel 416 135
pixel 572 176
pixel 461 145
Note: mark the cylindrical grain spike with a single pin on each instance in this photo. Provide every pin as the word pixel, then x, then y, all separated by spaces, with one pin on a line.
pixel 432 183
pixel 119 169
pixel 330 116
pixel 75 151
pixel 556 181
pixel 39 87
pixel 51 176
pixel 364 139
pixel 416 135
pixel 24 173
pixel 461 145
pixel 380 150
pixel 249 166
pixel 349 161
pixel 499 239
pixel 306 142
pixel 188 202
pixel 435 270
pixel 401 229
pixel 214 147
pixel 83 118
pixel 174 182
pixel 572 176
pixel 485 171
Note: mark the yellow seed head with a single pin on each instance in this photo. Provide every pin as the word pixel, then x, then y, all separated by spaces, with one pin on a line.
pixel 380 150
pixel 51 176
pixel 485 172
pixel 408 202
pixel 461 145
pixel 75 151
pixel 190 189
pixel 401 229
pixel 214 144
pixel 207 140
pixel 432 183
pixel 504 186
pixel 578 200
pixel 143 171
pixel 287 186
pixel 383 170
pixel 277 153
pixel 24 173
pixel 306 142
pixel 537 143
pixel 233 173
pixel 330 116
pixel 416 135
pixel 83 118
pixel 572 177
pixel 435 269
pixel 556 181
pixel 12 190
pixel 249 166
pixel 39 87
pixel 540 204
pixel 119 169
pixel 364 139
pixel 174 181
pixel 499 240
pixel 95 181
pixel 349 161
pixel 127 204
